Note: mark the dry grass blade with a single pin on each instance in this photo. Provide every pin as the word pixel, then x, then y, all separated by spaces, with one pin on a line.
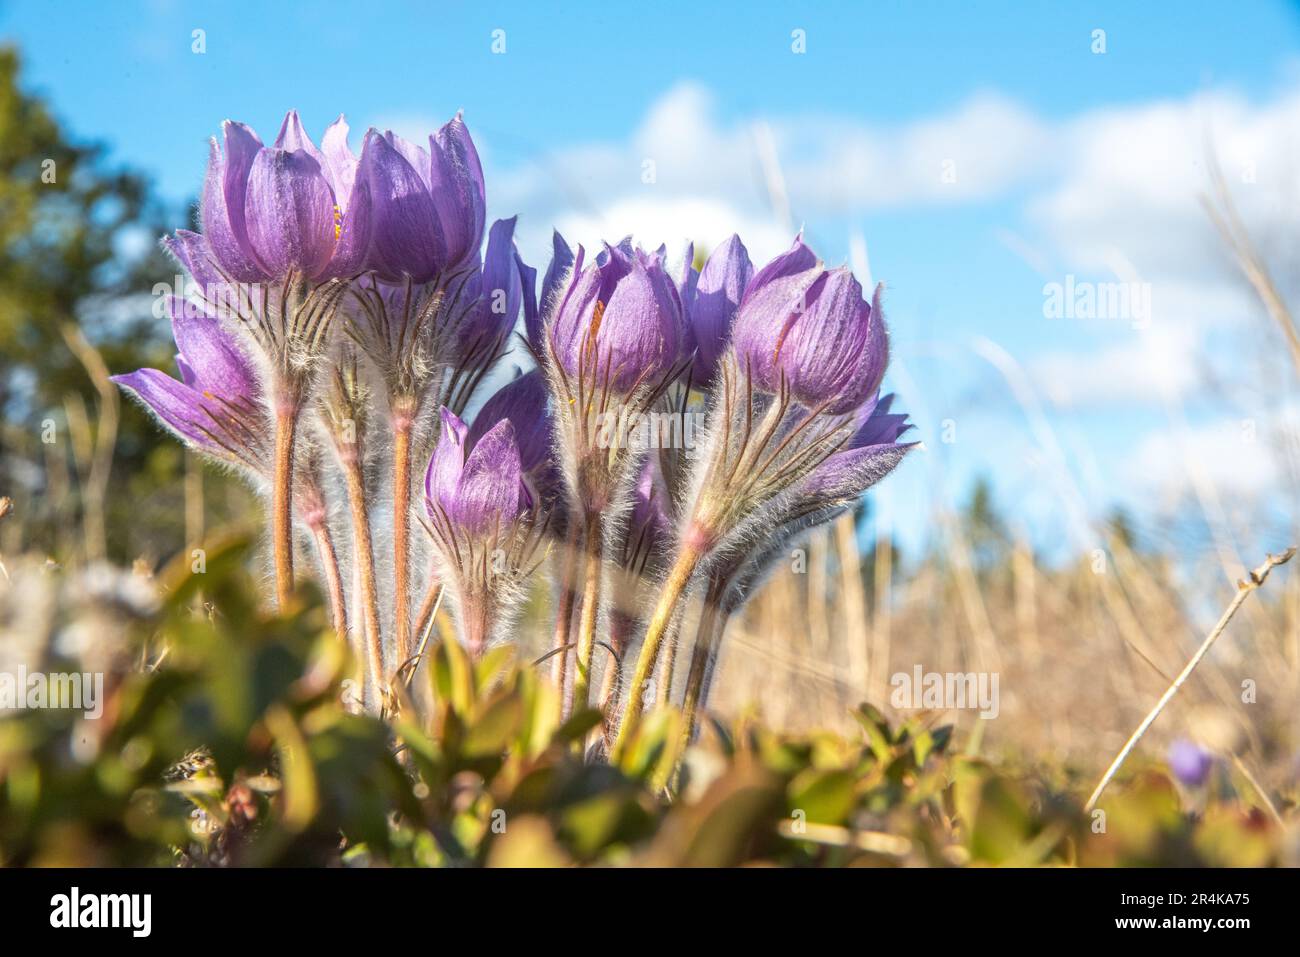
pixel 1223 213
pixel 1244 588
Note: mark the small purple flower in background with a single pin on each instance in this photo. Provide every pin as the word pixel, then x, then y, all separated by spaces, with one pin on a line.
pixel 1190 763
pixel 612 344
pixel 710 299
pixel 477 488
pixel 216 408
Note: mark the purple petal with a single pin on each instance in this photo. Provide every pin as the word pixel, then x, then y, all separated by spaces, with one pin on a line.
pixel 218 366
pixel 489 491
pixel 532 319
pixel 821 348
pixel 717 296
pixel 354 235
pixel 416 156
pixel 565 325
pixel 340 164
pixel 225 192
pixel 688 281
pixel 456 182
pixel 774 298
pixel 848 474
pixel 502 285
pixel 293 137
pixel 523 403
pixel 448 460
pixel 406 237
pixel 194 254
pixel 290 213
pixel 179 407
pixel 552 287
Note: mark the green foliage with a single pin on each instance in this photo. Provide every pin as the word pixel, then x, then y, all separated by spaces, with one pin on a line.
pixel 237 750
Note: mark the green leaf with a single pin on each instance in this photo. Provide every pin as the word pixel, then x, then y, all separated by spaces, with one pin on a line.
pixel 825 797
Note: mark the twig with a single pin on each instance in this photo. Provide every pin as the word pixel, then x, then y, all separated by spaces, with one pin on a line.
pixel 425 632
pixel 1244 588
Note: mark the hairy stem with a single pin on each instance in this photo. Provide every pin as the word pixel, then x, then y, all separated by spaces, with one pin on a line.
pixel 333 582
pixel 564 611
pixel 621 627
pixel 587 622
pixel 475 623
pixel 365 560
pixel 286 427
pixel 702 655
pixel 673 588
pixel 664 688
pixel 401 539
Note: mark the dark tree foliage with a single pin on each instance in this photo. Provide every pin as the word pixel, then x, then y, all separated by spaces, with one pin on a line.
pixel 78 251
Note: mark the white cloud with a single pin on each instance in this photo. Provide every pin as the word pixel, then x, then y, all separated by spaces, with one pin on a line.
pixel 707 178
pixel 1228 454
pixel 1112 194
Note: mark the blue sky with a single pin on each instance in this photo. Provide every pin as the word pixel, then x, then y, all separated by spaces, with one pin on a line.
pixel 966 154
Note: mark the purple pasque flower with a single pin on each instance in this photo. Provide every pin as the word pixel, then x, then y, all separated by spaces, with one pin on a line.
pixel 429 205
pixel 287 210
pixel 216 406
pixel 1190 763
pixel 484 522
pixel 619 323
pixel 478 489
pixel 710 299
pixel 810 329
pixel 456 182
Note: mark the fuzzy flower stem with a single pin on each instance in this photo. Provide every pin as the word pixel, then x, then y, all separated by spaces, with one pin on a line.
pixel 476 624
pixel 664 689
pixel 620 635
pixel 564 613
pixel 673 589
pixel 709 635
pixel 611 685
pixel 286 426
pixel 365 559
pixel 401 537
pixel 587 622
pixel 320 533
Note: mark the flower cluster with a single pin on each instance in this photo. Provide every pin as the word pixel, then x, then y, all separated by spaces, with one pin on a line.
pixel 346 313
